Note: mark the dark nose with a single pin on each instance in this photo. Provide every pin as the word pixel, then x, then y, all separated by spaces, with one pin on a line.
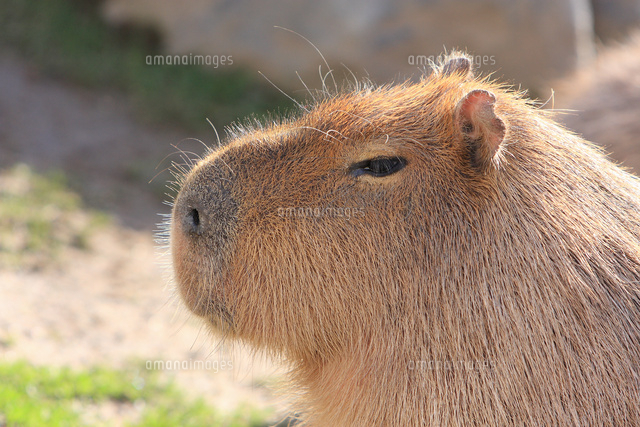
pixel 205 207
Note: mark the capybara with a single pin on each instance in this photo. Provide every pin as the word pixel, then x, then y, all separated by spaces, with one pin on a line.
pixel 604 99
pixel 430 253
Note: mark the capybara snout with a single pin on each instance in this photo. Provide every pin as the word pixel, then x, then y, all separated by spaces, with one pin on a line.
pixel 204 218
pixel 206 205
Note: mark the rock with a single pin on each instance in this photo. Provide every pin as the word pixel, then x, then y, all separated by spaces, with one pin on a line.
pixel 613 19
pixel 605 101
pixel 526 41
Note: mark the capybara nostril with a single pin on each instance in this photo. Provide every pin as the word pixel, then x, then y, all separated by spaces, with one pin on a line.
pixel 194 218
pixel 191 222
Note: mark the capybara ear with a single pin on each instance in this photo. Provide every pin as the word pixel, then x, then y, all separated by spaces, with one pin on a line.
pixel 480 127
pixel 457 65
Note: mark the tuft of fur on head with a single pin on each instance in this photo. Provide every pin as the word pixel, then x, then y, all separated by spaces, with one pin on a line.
pixel 494 279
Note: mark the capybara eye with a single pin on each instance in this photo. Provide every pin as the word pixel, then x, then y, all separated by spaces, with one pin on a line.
pixel 378 167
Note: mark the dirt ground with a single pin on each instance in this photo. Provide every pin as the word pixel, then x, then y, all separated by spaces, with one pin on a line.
pixel 113 303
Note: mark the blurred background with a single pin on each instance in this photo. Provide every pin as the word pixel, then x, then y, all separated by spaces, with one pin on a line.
pixel 99 97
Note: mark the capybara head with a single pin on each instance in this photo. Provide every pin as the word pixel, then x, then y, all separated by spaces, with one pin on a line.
pixel 429 253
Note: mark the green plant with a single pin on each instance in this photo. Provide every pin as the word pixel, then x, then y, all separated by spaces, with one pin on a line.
pixel 46 396
pixel 39 215
pixel 68 39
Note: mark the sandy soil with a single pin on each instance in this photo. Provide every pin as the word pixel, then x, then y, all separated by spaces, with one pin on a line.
pixel 113 303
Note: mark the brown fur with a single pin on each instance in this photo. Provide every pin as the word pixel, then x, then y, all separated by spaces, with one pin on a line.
pixel 492 281
pixel 605 101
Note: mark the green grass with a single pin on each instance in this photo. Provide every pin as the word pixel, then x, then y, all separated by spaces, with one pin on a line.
pixel 39 216
pixel 68 39
pixel 44 396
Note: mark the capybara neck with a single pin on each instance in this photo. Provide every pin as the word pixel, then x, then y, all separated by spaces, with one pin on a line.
pixel 432 253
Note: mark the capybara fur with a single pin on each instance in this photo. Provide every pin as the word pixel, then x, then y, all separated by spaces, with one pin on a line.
pixel 433 253
pixel 604 101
